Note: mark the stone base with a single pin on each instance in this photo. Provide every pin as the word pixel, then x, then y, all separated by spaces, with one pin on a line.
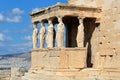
pixel 59 58
pixel 63 74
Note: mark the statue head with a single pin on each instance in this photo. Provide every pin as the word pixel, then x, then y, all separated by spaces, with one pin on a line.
pixel 80 19
pixel 49 21
pixel 42 24
pixel 34 25
pixel 59 19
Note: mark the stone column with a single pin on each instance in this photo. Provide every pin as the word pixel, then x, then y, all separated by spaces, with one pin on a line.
pixel 49 37
pixel 35 35
pixel 60 33
pixel 42 35
pixel 80 34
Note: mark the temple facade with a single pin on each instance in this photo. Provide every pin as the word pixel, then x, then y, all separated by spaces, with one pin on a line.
pixel 78 41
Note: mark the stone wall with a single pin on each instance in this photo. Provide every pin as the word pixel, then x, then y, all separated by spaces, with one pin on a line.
pixel 106 37
pixel 83 2
pixel 109 33
pixel 73 58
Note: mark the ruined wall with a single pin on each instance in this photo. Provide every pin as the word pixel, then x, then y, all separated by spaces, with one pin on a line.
pixel 109 42
pixel 106 37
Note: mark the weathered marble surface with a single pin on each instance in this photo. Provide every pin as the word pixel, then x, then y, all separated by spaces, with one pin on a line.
pixel 49 37
pixel 80 33
pixel 60 33
pixel 35 36
pixel 42 35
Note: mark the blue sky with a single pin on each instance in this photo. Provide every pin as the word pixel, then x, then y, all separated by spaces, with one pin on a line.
pixel 15 24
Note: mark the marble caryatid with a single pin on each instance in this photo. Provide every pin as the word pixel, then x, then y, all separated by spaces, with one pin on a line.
pixel 35 36
pixel 42 35
pixel 60 32
pixel 80 34
pixel 49 37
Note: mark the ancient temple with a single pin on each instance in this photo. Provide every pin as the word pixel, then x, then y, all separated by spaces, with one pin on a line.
pixel 84 45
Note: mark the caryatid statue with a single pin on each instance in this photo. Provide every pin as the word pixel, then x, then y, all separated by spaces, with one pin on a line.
pixel 42 35
pixel 49 37
pixel 60 33
pixel 35 36
pixel 80 34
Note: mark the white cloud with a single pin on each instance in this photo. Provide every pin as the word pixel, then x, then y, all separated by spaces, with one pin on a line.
pixel 4 37
pixel 35 9
pixel 5 31
pixel 27 38
pixel 15 19
pixel 17 11
pixel 8 38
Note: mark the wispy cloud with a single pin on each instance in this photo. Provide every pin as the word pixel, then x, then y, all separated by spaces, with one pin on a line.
pixel 27 30
pixel 23 47
pixel 15 18
pixel 17 11
pixel 29 38
pixel 4 37
pixel 35 9
pixel 1 37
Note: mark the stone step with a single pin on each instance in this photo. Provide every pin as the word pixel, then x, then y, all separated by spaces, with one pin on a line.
pixel 85 74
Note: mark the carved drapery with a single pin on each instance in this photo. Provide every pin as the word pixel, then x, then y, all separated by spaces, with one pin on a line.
pixel 42 35
pixel 60 32
pixel 80 34
pixel 49 37
pixel 35 35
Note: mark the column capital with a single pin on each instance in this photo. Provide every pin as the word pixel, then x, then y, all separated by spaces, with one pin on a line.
pixel 50 18
pixel 34 25
pixel 98 20
pixel 60 19
pixel 42 23
pixel 81 17
pixel 59 16
pixel 50 21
